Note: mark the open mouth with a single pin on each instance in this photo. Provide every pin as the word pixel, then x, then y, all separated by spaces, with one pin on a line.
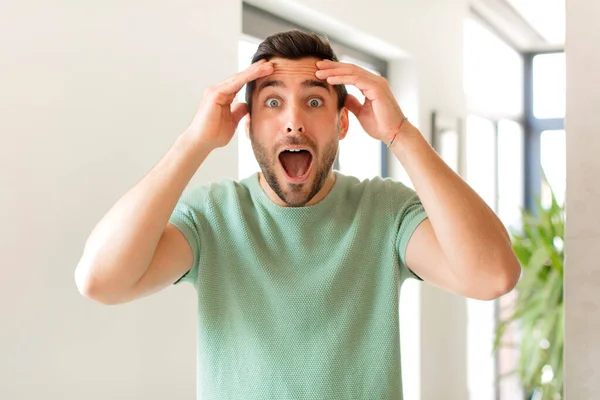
pixel 296 163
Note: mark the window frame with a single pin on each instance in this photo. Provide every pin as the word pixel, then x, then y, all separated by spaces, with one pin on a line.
pixel 533 128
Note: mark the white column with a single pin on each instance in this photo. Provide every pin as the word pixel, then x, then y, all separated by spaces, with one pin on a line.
pixel 582 244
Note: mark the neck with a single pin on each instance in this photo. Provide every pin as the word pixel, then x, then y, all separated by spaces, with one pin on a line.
pixel 321 194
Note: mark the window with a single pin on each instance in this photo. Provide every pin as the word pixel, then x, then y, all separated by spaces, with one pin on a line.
pixel 545 78
pixel 511 167
pixel 553 158
pixel 516 103
pixel 481 158
pixel 549 85
pixel 493 83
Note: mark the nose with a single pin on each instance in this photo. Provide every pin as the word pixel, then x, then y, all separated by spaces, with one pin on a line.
pixel 294 122
pixel 295 127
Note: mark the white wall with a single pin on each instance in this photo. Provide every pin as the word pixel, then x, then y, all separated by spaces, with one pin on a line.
pixel 582 236
pixel 91 97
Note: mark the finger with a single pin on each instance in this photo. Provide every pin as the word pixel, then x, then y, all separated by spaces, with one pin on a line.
pixel 361 82
pixel 333 68
pixel 326 73
pixel 235 83
pixel 353 104
pixel 328 64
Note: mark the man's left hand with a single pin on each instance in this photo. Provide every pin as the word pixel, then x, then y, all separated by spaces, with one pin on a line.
pixel 380 115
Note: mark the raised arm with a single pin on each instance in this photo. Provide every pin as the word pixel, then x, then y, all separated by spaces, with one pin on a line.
pixel 462 246
pixel 133 251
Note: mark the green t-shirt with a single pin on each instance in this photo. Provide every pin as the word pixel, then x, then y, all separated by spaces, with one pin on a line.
pixel 298 303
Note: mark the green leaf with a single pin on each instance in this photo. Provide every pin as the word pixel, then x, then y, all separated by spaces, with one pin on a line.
pixel 538 309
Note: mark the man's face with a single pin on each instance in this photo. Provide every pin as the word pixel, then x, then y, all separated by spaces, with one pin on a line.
pixel 295 129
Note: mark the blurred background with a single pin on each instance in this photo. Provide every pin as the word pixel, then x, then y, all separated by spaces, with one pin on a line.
pixel 93 95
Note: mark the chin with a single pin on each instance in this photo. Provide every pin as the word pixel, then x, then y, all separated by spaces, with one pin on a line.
pixel 295 201
pixel 296 194
pixel 295 174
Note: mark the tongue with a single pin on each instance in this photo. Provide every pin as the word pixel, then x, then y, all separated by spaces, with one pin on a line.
pixel 295 163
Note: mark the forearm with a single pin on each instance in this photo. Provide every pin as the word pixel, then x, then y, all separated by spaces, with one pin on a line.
pixel 121 246
pixel 473 240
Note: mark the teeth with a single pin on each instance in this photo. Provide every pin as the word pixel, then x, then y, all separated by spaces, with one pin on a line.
pixel 295 150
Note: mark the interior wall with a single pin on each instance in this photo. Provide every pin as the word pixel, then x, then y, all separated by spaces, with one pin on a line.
pixel 92 96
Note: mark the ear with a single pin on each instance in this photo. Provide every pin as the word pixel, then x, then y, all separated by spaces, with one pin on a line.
pixel 247 125
pixel 344 122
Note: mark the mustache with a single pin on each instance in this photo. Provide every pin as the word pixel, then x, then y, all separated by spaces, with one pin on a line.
pixel 297 140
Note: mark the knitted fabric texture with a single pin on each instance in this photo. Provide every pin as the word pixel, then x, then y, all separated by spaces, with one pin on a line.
pixel 298 302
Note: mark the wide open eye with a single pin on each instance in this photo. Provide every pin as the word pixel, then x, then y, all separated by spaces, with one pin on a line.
pixel 315 102
pixel 272 102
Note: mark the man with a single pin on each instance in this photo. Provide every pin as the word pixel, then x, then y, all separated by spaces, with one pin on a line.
pixel 297 268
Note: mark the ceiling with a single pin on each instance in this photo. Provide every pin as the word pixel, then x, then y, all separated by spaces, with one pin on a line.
pixel 528 25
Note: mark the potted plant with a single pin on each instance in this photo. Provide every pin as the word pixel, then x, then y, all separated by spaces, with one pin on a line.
pixel 537 313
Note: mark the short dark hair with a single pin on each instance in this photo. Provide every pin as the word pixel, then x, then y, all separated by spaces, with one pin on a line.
pixel 293 45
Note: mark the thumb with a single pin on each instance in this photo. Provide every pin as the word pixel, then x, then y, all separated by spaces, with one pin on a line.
pixel 238 111
pixel 353 105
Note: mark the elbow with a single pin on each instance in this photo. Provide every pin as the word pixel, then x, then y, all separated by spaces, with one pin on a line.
pixel 503 281
pixel 90 288
pixel 513 277
pixel 83 282
pixel 510 273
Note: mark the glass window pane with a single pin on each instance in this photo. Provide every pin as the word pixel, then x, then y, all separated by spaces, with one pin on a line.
pixel 549 85
pixel 553 157
pixel 481 158
pixel 449 145
pixel 511 172
pixel 492 73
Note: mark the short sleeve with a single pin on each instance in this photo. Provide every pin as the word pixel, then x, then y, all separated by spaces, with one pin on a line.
pixel 187 217
pixel 410 214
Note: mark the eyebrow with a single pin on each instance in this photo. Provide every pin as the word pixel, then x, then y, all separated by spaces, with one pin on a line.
pixel 309 83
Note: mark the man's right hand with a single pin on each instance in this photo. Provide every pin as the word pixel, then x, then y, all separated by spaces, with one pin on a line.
pixel 216 120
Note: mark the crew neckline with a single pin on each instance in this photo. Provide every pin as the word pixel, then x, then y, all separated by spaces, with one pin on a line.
pixel 259 194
